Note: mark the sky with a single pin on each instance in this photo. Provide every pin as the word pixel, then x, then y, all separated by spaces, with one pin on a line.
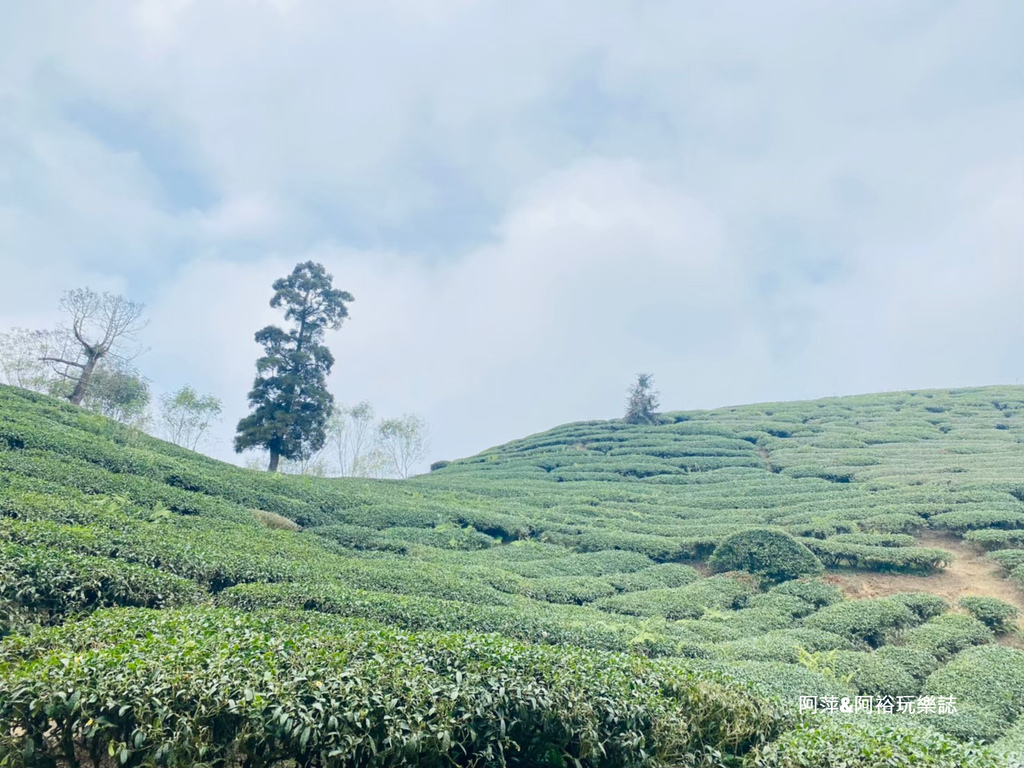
pixel 531 202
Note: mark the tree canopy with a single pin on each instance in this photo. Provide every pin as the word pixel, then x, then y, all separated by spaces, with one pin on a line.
pixel 642 401
pixel 289 398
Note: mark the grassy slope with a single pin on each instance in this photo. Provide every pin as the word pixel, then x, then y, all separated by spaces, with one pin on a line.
pixel 583 535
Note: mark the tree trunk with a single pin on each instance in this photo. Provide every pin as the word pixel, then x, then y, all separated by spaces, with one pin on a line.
pixel 275 457
pixel 83 381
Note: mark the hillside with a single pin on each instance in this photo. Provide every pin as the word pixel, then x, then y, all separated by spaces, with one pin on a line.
pixel 598 595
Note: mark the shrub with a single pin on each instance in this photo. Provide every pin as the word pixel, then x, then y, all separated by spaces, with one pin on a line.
pixel 274 520
pixel 783 683
pixel 879 558
pixel 994 538
pixel 441 464
pixel 947 635
pixel 990 677
pixel 968 723
pixel 688 602
pixel 916 662
pixel 972 519
pixel 873 675
pixel 655 577
pixel 868 621
pixel 998 616
pixel 1011 745
pixel 774 555
pixel 49 585
pixel 875 539
pixel 1007 558
pixel 572 589
pixel 827 742
pixel 782 645
pixel 817 593
pixel 925 605
pixel 788 606
pixel 210 687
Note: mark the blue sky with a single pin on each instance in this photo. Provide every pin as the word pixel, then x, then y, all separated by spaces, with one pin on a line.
pixel 530 201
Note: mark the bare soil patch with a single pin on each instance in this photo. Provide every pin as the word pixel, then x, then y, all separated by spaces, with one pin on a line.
pixel 969 575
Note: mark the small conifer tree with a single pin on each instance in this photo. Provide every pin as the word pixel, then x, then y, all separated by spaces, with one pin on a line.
pixel 643 400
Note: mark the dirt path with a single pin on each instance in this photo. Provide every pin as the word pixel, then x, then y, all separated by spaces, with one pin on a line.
pixel 970 574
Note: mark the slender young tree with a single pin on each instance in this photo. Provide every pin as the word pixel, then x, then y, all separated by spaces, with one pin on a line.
pixel 186 415
pixel 118 391
pixel 642 401
pixel 102 325
pixel 403 442
pixel 289 398
pixel 353 439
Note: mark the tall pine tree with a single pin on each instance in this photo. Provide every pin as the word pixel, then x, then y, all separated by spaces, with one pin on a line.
pixel 289 399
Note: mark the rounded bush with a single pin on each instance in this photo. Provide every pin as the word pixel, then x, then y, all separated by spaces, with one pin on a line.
pixel 873 675
pixel 213 687
pixel 773 555
pixel 990 677
pixel 828 742
pixel 924 604
pixel 870 621
pixel 998 616
pixel 916 662
pixel 947 635
pixel 817 593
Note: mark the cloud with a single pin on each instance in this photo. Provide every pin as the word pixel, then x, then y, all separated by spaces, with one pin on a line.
pixel 544 322
pixel 530 201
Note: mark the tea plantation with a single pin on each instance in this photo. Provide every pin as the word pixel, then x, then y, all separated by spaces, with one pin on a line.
pixel 600 594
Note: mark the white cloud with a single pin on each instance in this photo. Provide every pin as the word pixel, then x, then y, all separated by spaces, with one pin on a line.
pixel 530 201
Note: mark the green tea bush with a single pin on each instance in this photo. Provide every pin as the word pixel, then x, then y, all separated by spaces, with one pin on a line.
pixel 782 645
pixel 1007 558
pixel 925 605
pixel 1017 575
pixel 782 683
pixel 895 522
pixel 873 675
pixel 568 589
pixel 875 539
pixel 868 621
pixel 788 606
pixel 655 577
pixel 996 539
pixel 973 519
pixel 834 553
pixel 208 687
pixel 827 742
pixel 989 676
pixel 688 602
pixel 947 635
pixel 818 593
pixel 526 620
pixel 774 555
pixel 1011 745
pixel 600 563
pixel 998 616
pixel 49 585
pixel 916 662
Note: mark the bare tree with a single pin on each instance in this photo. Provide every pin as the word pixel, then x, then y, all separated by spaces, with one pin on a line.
pixel 102 325
pixel 185 416
pixel 403 443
